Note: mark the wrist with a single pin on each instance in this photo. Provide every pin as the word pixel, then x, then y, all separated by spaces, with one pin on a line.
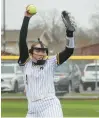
pixel 27 17
pixel 70 42
pixel 69 33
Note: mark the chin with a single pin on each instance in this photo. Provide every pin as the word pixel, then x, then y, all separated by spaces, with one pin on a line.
pixel 39 58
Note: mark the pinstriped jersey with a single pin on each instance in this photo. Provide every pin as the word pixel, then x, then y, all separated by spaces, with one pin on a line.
pixel 39 80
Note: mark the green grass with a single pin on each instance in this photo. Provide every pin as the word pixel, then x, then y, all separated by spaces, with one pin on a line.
pixel 13 108
pixel 71 108
pixel 80 108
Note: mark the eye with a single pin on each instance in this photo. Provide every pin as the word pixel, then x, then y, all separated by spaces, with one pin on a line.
pixel 43 51
pixel 37 51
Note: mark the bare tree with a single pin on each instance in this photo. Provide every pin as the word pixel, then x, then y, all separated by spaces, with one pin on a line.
pixel 53 24
pixel 95 22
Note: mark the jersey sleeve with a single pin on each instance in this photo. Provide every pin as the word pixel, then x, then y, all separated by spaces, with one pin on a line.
pixel 53 61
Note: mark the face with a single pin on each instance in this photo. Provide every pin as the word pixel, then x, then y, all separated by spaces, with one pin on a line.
pixel 37 53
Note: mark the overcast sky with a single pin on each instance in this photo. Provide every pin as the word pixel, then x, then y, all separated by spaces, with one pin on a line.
pixel 80 9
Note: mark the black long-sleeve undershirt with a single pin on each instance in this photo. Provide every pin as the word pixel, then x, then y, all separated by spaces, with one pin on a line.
pixel 64 55
pixel 23 48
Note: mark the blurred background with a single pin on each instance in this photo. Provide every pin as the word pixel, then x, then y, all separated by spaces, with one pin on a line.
pixel 79 76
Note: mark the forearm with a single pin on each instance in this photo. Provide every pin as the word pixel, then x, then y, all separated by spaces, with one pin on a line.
pixel 24 29
pixel 23 49
pixel 68 51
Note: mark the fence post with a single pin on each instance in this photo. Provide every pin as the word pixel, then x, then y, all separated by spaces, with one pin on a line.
pixel 96 86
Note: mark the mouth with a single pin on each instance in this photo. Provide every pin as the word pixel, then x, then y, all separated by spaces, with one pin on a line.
pixel 40 58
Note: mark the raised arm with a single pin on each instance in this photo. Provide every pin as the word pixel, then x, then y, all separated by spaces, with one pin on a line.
pixel 68 51
pixel 23 48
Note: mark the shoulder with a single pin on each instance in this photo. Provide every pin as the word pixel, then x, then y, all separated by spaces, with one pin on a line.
pixel 26 62
pixel 52 58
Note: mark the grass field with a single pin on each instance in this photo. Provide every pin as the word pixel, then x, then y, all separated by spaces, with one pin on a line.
pixel 71 108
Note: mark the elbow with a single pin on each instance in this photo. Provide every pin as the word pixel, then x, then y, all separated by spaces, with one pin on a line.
pixel 70 51
pixel 64 55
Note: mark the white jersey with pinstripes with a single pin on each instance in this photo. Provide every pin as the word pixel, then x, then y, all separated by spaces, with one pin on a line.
pixel 39 80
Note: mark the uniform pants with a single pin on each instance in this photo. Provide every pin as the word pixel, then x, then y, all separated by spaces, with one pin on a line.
pixel 49 107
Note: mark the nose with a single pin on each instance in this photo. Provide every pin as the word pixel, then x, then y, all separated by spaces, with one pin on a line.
pixel 41 53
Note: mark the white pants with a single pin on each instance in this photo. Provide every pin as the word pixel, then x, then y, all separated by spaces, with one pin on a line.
pixel 49 107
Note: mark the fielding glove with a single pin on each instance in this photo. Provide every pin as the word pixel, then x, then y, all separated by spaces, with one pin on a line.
pixel 69 23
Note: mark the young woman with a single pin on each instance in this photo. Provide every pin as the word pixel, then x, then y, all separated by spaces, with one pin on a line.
pixel 39 71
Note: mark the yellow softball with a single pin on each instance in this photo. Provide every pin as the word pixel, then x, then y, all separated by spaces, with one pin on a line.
pixel 31 9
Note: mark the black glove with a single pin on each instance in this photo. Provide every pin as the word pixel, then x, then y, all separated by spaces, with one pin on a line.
pixel 69 24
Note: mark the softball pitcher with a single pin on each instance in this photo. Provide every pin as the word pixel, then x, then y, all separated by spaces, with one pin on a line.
pixel 39 70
